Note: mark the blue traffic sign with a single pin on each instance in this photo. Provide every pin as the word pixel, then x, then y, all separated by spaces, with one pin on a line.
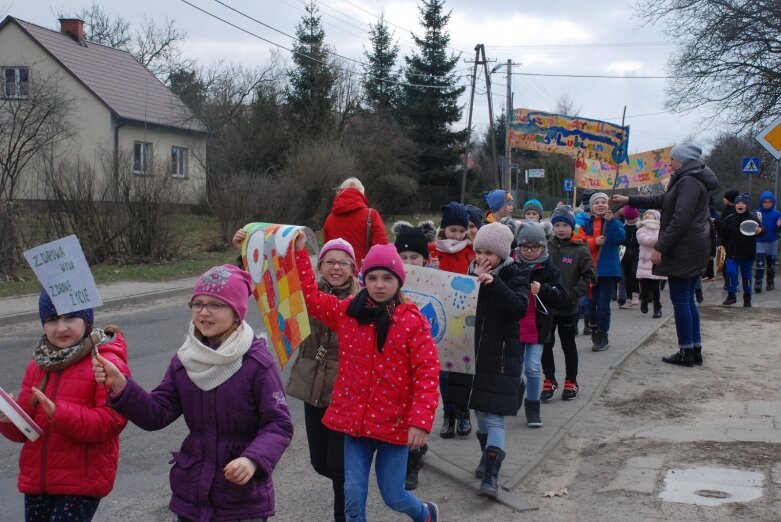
pixel 751 165
pixel 568 184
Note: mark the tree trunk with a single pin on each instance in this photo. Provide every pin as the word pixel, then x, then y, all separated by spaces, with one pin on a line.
pixel 7 238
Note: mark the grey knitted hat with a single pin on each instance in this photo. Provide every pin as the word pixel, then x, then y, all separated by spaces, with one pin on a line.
pixel 531 232
pixel 495 238
pixel 563 213
pixel 686 151
pixel 596 196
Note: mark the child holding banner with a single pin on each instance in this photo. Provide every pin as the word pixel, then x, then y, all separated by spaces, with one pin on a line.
pixel 65 473
pixel 385 393
pixel 224 381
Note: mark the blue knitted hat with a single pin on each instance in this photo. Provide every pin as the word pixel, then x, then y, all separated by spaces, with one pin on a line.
pixel 496 199
pixel 46 310
pixel 535 205
pixel 454 214
pixel 475 215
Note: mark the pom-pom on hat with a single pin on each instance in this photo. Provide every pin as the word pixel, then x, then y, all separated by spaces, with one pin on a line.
pixel 410 239
pixel 595 196
pixel 46 310
pixel 496 199
pixel 631 212
pixel 384 257
pixel 227 283
pixel 534 204
pixel 565 214
pixel 686 151
pixel 475 215
pixel 454 214
pixel 743 198
pixel 494 237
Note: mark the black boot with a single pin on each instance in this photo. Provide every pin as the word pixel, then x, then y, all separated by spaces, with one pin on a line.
pixel 482 438
pixel 414 463
pixel 463 424
pixel 657 312
pixel 730 300
pixel 771 285
pixel 746 300
pixel 644 306
pixel 448 430
pixel 758 287
pixel 681 357
pixel 493 462
pixel 532 408
pixel 697 355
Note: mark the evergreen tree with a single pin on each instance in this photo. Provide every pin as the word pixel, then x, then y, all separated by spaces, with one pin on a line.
pixel 310 94
pixel 380 80
pixel 430 111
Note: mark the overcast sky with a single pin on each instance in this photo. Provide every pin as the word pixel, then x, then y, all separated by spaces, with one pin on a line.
pixel 544 37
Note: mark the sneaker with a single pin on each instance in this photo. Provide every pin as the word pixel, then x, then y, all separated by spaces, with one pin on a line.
pixel 571 390
pixel 549 386
pixel 433 512
pixel 730 300
pixel 586 329
pixel 600 342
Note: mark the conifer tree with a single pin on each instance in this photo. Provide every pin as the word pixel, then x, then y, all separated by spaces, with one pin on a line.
pixel 380 79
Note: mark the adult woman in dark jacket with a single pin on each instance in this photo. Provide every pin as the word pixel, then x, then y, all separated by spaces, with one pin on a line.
pixel 683 248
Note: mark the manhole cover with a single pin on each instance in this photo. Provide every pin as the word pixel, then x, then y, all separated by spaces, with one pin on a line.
pixel 712 493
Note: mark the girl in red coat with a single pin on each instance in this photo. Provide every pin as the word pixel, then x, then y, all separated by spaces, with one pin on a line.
pixel 385 393
pixel 67 470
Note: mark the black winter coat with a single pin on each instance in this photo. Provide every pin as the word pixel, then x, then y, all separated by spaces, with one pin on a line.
pixel 500 306
pixel 684 232
pixel 739 247
pixel 552 295
pixel 574 262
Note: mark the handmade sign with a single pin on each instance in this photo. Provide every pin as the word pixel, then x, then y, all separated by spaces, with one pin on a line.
pixel 18 417
pixel 570 135
pixel 640 170
pixel 449 302
pixel 267 253
pixel 63 271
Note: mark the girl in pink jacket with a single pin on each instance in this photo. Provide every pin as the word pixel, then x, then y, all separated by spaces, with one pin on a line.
pixel 647 235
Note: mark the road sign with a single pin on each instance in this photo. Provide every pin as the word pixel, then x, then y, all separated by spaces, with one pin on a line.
pixel 568 184
pixel 770 138
pixel 751 165
pixel 536 173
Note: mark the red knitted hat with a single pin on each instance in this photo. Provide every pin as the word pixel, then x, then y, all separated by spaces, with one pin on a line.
pixel 384 257
pixel 227 283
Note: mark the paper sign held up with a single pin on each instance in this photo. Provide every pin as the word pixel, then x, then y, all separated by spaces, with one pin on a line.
pixel 63 271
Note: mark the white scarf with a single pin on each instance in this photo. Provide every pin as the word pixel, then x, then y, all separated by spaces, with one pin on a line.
pixel 451 246
pixel 650 223
pixel 207 367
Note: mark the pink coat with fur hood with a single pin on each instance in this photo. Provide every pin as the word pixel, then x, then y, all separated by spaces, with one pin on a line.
pixel 647 236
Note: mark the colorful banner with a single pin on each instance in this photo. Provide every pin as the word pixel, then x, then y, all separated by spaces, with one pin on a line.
pixel 641 170
pixel 573 136
pixel 449 302
pixel 267 253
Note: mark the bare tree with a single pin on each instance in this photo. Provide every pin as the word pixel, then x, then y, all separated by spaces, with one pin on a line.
pixel 34 121
pixel 566 106
pixel 728 56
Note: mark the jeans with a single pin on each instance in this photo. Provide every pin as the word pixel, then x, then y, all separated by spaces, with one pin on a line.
pixel 599 304
pixel 59 508
pixel 391 470
pixel 766 257
pixel 568 329
pixel 493 425
pixel 744 267
pixel 326 453
pixel 687 316
pixel 530 363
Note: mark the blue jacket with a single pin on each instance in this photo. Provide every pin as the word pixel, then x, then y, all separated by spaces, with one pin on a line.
pixel 605 257
pixel 770 228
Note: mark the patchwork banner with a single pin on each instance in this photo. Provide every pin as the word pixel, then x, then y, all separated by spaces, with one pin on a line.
pixel 640 170
pixel 449 302
pixel 573 136
pixel 267 253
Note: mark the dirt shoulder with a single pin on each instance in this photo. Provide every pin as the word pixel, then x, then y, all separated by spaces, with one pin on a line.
pixel 654 417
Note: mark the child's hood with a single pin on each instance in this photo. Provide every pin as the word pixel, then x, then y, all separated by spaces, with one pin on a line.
pixel 114 343
pixel 767 195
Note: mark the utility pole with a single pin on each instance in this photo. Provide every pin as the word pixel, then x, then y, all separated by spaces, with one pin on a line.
pixel 508 153
pixel 480 59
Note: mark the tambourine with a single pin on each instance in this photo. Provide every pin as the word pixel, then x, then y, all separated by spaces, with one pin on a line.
pixel 721 257
pixel 749 227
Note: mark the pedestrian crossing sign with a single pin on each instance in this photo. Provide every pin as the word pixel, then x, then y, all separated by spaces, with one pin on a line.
pixel 751 165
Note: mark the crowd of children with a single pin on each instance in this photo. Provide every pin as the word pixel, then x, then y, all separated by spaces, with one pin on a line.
pixel 369 374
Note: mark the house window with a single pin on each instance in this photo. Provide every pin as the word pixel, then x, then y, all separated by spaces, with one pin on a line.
pixel 142 157
pixel 179 162
pixel 16 82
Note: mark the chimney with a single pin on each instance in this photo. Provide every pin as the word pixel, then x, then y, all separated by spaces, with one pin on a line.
pixel 73 27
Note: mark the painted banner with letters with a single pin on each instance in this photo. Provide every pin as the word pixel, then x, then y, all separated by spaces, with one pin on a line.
pixel 640 170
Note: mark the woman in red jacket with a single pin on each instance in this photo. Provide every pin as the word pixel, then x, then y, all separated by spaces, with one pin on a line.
pixel 353 220
pixel 385 393
pixel 67 470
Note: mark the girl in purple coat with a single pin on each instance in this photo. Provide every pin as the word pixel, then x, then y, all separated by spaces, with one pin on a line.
pixel 223 380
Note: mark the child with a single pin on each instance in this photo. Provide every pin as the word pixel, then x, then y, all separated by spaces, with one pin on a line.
pixel 532 209
pixel 412 242
pixel 547 293
pixel 492 392
pixel 475 222
pixel 224 381
pixel 385 393
pixel 453 254
pixel 767 242
pixel 630 259
pixel 500 204
pixel 65 473
pixel 603 235
pixel 573 260
pixel 741 250
pixel 647 236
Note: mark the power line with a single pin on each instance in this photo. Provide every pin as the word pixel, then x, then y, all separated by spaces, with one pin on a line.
pixel 552 75
pixel 583 45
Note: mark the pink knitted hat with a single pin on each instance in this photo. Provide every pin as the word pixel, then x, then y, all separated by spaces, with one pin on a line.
pixel 341 245
pixel 384 257
pixel 227 283
pixel 631 212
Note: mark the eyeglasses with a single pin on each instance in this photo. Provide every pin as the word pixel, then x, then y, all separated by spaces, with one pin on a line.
pixel 531 248
pixel 341 264
pixel 198 306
